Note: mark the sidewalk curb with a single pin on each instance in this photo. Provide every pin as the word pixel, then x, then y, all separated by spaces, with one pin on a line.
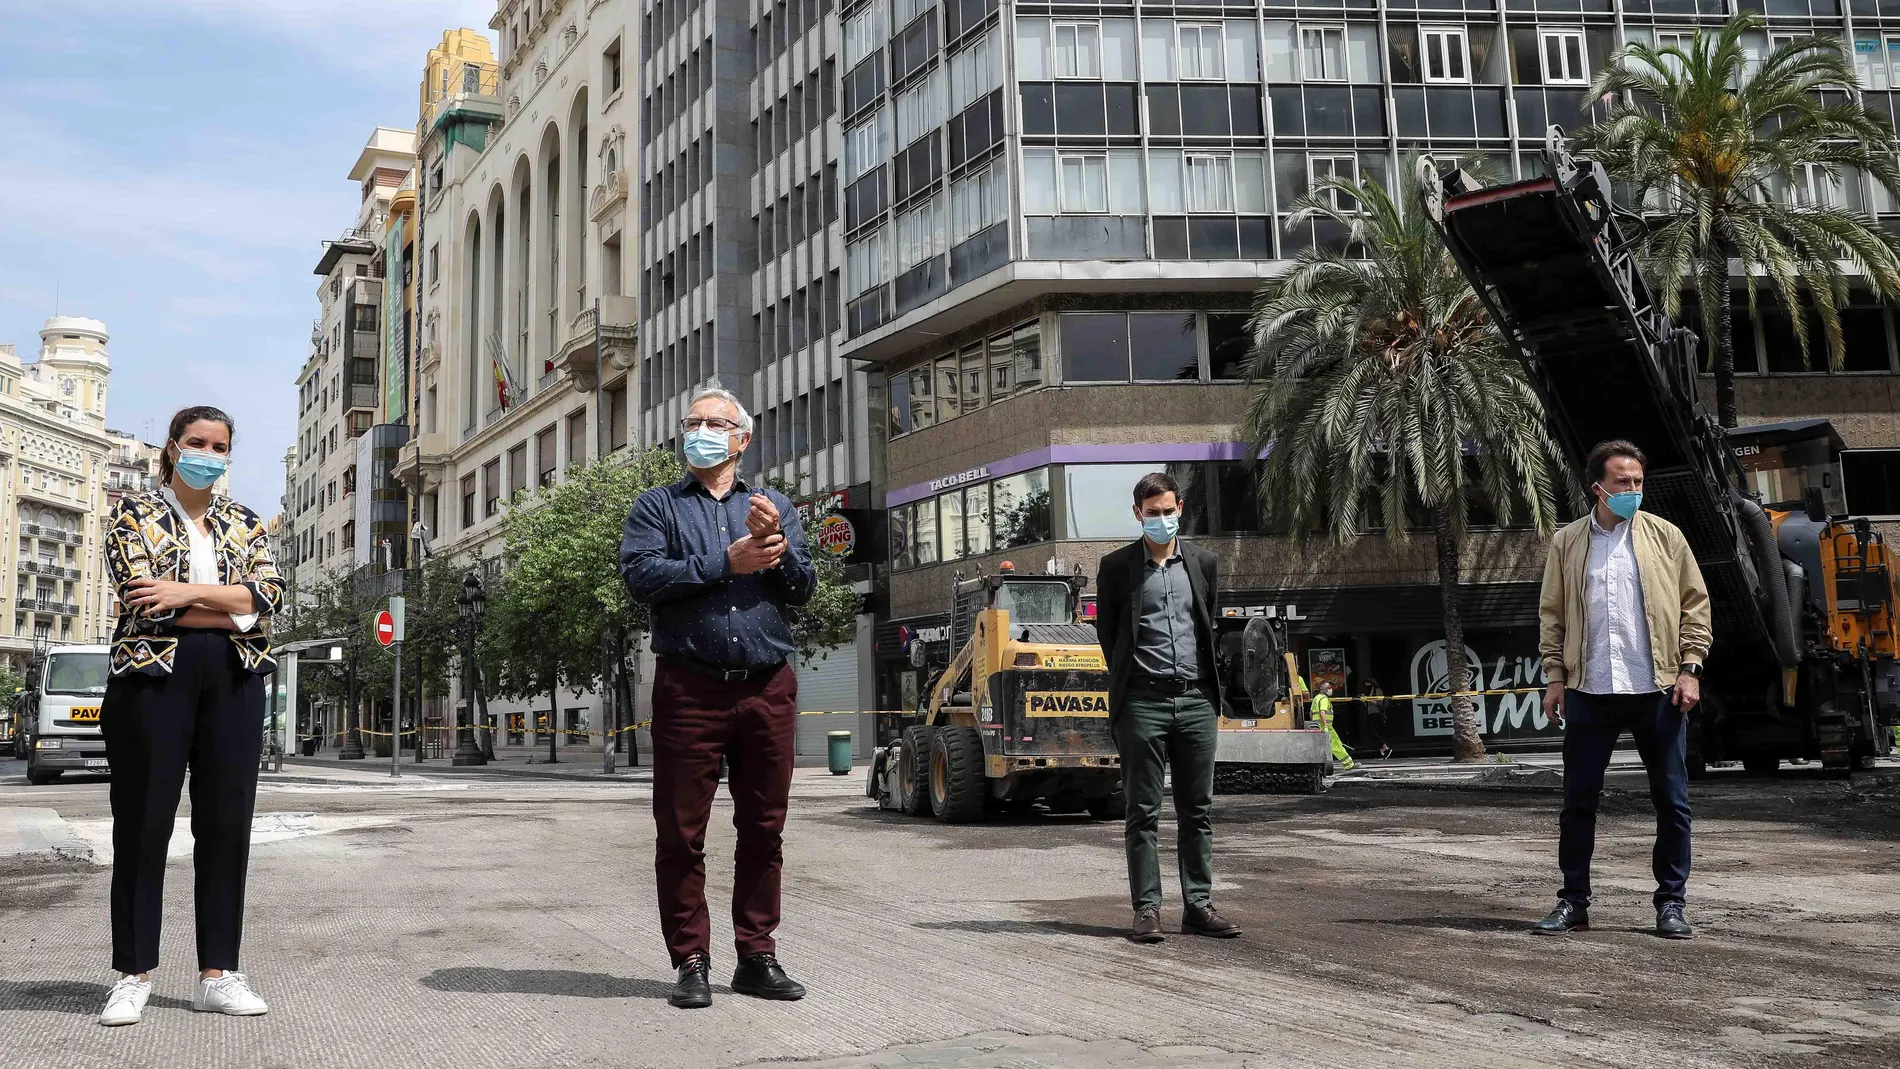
pixel 463 774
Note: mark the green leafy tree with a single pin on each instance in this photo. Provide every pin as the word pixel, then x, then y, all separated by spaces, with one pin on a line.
pixel 1709 143
pixel 562 595
pixel 1373 379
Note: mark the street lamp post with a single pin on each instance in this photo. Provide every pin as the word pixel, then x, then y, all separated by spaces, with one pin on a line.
pixel 469 605
pixel 352 738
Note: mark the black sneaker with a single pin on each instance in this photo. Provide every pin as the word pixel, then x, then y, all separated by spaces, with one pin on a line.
pixel 761 976
pixel 1566 918
pixel 1669 922
pixel 693 989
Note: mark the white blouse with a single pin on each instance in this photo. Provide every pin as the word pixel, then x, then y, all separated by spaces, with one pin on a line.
pixel 204 558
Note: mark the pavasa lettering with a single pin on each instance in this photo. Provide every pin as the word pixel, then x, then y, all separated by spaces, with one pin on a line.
pixel 1066 703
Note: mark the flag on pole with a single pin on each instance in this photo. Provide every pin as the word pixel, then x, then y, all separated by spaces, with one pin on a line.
pixel 507 389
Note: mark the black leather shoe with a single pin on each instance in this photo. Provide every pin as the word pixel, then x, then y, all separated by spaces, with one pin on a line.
pixel 761 976
pixel 1669 922
pixel 1566 918
pixel 1206 920
pixel 693 989
pixel 1147 926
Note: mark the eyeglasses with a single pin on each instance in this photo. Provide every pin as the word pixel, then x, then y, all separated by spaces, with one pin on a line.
pixel 693 423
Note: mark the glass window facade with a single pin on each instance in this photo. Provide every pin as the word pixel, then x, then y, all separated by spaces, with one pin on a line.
pixel 1067 501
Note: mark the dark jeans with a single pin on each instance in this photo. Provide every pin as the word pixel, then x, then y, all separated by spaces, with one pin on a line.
pixel 1153 731
pixel 207 715
pixel 1592 724
pixel 697 721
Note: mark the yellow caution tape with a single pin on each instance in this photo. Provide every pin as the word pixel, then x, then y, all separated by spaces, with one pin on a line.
pixel 1442 694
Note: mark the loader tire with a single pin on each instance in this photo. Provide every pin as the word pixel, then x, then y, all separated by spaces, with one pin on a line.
pixel 913 772
pixel 957 784
pixel 1111 806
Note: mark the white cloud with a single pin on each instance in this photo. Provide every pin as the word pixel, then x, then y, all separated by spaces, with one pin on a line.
pixel 358 35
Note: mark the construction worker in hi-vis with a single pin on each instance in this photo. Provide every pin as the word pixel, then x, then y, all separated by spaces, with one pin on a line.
pixel 1323 710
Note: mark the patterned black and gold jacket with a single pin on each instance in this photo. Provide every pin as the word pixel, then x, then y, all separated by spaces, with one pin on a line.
pixel 145 538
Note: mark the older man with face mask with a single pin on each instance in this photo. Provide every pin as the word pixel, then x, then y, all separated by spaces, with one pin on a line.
pixel 721 562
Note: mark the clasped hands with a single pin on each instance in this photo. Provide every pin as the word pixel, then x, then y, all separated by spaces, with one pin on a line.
pixel 764 542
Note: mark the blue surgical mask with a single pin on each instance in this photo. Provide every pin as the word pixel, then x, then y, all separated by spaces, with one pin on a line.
pixel 1626 503
pixel 1160 529
pixel 200 469
pixel 706 448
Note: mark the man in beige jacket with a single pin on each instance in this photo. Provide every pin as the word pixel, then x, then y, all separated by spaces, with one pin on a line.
pixel 1624 622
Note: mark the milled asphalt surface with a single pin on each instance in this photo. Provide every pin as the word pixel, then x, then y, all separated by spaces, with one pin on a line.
pixel 508 921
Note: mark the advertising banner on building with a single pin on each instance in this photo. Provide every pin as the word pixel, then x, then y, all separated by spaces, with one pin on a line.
pixel 1505 716
pixel 1326 666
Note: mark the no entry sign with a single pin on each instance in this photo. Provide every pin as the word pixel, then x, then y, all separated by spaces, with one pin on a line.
pixel 385 628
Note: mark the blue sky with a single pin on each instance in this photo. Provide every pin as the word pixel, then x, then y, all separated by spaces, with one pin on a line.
pixel 172 167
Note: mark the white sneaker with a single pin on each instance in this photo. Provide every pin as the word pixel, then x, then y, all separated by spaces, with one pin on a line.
pixel 125 1003
pixel 229 993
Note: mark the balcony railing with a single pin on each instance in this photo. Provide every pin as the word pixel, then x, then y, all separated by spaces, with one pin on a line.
pixel 53 571
pixel 64 608
pixel 31 530
pixel 458 84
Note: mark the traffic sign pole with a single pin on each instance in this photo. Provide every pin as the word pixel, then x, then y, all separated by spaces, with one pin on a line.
pixel 389 632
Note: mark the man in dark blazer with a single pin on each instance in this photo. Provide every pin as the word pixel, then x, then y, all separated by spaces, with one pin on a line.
pixel 1154 618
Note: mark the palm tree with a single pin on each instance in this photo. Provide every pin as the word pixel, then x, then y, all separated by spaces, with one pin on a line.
pixel 1713 146
pixel 1381 392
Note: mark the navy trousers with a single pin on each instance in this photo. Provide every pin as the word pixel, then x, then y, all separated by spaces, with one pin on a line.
pixel 1592 724
pixel 206 715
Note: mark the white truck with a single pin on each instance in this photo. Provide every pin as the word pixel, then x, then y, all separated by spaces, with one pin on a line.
pixel 59 716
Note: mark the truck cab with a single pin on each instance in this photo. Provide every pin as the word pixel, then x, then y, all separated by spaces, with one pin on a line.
pixel 59 712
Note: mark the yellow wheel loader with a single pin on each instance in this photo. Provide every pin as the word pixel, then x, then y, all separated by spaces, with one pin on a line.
pixel 1019 717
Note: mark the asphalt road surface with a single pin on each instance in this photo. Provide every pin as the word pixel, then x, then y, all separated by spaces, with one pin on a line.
pixel 509 922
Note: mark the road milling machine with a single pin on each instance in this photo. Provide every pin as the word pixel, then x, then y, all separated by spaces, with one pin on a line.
pixel 1803 597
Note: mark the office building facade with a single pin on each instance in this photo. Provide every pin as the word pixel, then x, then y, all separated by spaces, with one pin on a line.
pixel 1053 219
pixel 741 266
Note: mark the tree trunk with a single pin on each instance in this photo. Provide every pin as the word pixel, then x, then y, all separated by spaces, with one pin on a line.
pixel 1724 354
pixel 1466 745
pixel 554 720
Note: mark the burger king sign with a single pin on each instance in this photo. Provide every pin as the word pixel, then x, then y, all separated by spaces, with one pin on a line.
pixel 836 537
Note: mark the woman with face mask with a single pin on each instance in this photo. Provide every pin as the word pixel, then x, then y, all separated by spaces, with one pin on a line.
pixel 193 571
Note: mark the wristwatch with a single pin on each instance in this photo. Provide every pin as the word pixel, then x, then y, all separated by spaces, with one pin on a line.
pixel 1690 669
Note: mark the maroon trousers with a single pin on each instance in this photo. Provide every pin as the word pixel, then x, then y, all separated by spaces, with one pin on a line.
pixel 752 724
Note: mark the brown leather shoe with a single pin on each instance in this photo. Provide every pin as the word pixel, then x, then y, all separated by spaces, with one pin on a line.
pixel 1147 926
pixel 1206 920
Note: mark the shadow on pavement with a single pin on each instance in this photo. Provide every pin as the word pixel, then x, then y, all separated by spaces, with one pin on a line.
pixel 1463 924
pixel 477 980
pixel 1096 931
pixel 68 996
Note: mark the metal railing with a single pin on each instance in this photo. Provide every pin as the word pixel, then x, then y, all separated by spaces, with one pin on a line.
pixel 443 86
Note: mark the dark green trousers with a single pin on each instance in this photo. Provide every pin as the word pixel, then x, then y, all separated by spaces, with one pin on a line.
pixel 1153 731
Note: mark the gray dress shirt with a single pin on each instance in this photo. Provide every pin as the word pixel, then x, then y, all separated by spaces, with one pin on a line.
pixel 1165 645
